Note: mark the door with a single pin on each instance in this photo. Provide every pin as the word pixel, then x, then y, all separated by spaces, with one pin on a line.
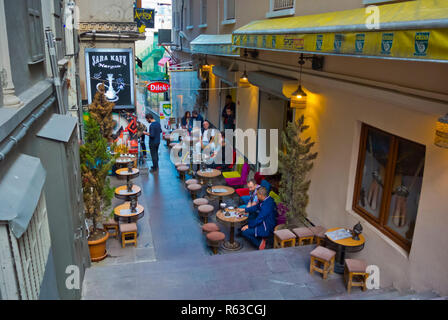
pixel 273 114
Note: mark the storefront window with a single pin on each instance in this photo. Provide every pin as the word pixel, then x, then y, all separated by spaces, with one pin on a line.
pixel 388 184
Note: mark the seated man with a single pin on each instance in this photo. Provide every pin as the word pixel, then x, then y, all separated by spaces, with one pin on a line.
pixel 262 219
pixel 251 199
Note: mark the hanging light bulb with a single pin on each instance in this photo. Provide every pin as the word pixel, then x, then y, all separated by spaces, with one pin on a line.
pixel 441 139
pixel 244 79
pixel 298 97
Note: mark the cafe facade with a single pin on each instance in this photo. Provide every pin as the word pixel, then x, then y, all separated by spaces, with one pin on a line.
pixel 373 103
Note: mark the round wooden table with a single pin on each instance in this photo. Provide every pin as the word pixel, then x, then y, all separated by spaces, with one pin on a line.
pixel 232 244
pixel 220 196
pixel 122 212
pixel 124 160
pixel 123 194
pixel 125 174
pixel 342 245
pixel 208 174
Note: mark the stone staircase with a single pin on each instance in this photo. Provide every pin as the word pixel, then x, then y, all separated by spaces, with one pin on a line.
pixel 387 294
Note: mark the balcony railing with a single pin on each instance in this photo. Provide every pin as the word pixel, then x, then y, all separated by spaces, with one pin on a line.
pixel 283 4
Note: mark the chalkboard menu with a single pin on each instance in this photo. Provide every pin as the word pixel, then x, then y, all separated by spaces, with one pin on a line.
pixel 114 68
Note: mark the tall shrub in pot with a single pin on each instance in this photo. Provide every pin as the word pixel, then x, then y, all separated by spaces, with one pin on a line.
pixel 96 163
pixel 295 162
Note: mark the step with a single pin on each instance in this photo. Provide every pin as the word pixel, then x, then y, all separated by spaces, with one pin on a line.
pixel 418 296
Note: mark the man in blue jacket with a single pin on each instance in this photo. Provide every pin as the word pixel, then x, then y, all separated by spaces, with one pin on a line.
pixel 155 130
pixel 262 219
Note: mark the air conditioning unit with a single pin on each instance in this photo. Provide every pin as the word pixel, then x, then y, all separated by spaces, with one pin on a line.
pixel 164 36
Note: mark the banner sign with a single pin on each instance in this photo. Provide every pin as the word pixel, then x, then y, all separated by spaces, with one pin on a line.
pixel 114 68
pixel 405 44
pixel 144 19
pixel 158 87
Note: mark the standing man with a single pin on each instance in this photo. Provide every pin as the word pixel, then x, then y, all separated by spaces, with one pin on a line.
pixel 262 219
pixel 229 105
pixel 155 130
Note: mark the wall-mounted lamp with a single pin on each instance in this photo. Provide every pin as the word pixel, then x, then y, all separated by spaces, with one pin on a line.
pixel 298 97
pixel 244 79
pixel 441 139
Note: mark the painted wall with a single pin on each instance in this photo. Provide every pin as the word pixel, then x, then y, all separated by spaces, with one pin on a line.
pixel 335 112
pixel 106 10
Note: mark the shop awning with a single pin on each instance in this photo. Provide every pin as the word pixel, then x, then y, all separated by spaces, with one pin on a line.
pixel 162 62
pixel 274 84
pixel 225 75
pixel 412 30
pixel 214 44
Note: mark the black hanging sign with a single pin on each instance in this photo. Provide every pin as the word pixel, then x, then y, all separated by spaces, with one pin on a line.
pixel 114 68
pixel 144 19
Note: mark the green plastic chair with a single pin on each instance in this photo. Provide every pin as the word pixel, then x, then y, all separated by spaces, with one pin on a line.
pixel 275 196
pixel 237 172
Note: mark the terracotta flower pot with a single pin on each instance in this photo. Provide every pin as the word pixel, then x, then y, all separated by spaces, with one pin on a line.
pixel 97 248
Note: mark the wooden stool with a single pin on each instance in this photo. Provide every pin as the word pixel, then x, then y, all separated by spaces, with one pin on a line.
pixel 128 230
pixel 214 240
pixel 200 202
pixel 182 171
pixel 355 270
pixel 323 256
pixel 191 181
pixel 205 211
pixel 319 234
pixel 210 227
pixel 194 188
pixel 284 237
pixel 111 224
pixel 304 234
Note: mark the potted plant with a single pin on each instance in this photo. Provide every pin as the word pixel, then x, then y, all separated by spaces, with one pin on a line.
pixel 97 192
pixel 296 161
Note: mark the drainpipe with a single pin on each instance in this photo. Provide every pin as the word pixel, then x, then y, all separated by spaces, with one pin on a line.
pixel 54 68
pixel 22 130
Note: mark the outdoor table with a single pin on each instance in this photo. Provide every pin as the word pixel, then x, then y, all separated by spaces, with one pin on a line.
pixel 232 244
pixel 208 174
pixel 131 216
pixel 220 196
pixel 125 174
pixel 123 161
pixel 123 194
pixel 342 245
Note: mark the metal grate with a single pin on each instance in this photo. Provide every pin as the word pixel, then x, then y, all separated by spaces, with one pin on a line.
pixel 283 4
pixel 30 255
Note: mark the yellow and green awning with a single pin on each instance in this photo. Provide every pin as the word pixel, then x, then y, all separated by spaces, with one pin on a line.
pixel 214 44
pixel 413 30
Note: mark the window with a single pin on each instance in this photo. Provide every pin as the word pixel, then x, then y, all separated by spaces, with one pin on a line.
pixel 280 8
pixel 189 14
pixel 388 183
pixel 229 9
pixel 36 39
pixel 203 21
pixel 283 5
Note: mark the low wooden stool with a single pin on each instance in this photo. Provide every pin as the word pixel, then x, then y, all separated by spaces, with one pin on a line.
pixel 111 224
pixel 194 188
pixel 284 237
pixel 182 171
pixel 319 234
pixel 304 234
pixel 200 202
pixel 205 211
pixel 210 227
pixel 191 181
pixel 324 256
pixel 128 230
pixel 355 270
pixel 214 240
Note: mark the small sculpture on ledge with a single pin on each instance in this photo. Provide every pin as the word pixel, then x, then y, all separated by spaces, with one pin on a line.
pixel 357 230
pixel 134 205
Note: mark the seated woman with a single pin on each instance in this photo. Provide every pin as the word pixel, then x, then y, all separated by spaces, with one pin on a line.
pixel 262 219
pixel 185 122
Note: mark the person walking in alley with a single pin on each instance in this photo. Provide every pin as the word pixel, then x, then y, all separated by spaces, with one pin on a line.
pixel 155 130
pixel 262 219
